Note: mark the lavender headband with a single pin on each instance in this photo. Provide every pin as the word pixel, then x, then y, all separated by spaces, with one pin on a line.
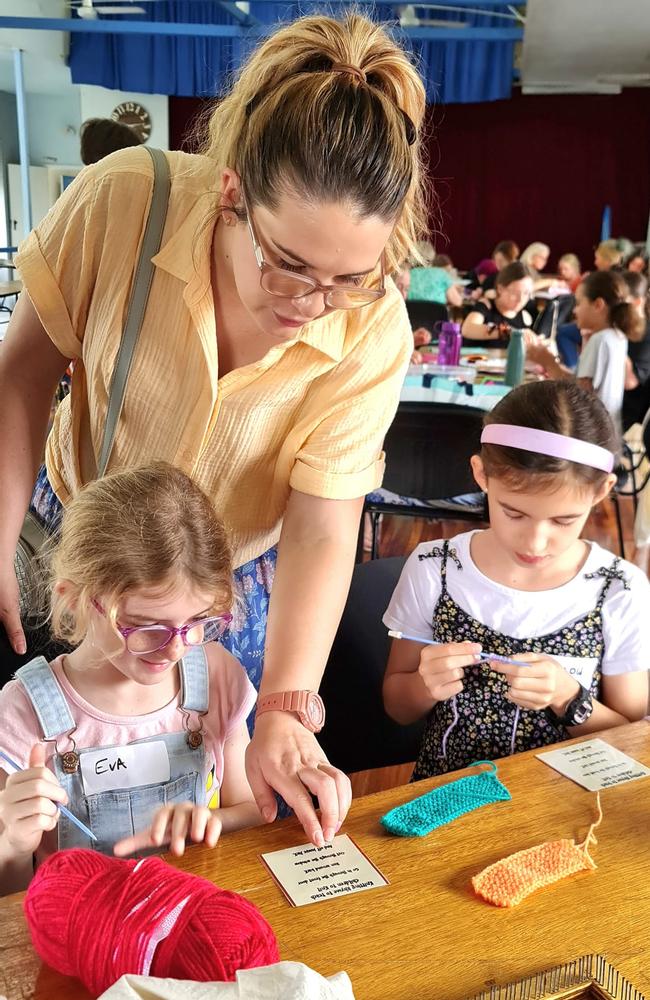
pixel 547 443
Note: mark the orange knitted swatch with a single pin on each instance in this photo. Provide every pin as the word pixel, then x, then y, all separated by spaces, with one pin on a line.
pixel 507 882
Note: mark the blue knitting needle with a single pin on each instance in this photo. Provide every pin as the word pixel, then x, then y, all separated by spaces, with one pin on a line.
pixel 432 642
pixel 66 812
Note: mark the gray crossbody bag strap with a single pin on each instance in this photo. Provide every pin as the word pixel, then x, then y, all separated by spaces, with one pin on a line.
pixel 138 302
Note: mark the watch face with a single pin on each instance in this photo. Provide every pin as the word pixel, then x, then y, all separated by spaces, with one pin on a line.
pixel 135 116
pixel 315 710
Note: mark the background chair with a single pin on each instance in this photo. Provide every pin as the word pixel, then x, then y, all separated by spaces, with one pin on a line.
pixel 426 314
pixel 358 734
pixel 428 447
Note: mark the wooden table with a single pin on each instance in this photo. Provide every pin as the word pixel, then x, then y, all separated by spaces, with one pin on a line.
pixel 427 935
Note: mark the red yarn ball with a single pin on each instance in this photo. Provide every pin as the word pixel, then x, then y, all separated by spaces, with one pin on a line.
pixel 98 918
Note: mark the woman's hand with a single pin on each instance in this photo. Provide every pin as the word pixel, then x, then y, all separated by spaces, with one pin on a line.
pixel 286 758
pixel 442 667
pixel 10 608
pixel 173 825
pixel 28 804
pixel 540 683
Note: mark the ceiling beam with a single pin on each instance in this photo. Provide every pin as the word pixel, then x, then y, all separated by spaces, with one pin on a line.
pixel 124 27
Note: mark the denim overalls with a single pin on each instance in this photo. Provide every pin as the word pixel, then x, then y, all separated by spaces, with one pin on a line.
pixel 118 813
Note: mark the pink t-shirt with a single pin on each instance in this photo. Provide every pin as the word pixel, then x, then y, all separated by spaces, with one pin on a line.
pixel 231 699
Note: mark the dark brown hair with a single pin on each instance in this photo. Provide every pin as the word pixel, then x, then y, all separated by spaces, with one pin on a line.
pixel 101 136
pixel 561 407
pixel 613 289
pixel 441 260
pixel 515 271
pixel 508 249
pixel 638 286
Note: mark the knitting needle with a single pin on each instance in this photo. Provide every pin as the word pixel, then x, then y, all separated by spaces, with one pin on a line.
pixel 432 642
pixel 66 812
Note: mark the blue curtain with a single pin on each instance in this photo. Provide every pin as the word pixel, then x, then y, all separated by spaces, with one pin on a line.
pixel 454 71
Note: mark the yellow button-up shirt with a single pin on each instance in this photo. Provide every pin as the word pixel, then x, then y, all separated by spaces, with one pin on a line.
pixel 310 415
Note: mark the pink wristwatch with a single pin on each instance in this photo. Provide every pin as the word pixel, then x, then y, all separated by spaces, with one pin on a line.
pixel 307 705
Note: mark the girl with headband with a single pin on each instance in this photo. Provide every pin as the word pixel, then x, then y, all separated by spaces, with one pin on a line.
pixel 270 359
pixel 571 617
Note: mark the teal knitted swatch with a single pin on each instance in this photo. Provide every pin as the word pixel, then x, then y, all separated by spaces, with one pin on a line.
pixel 444 804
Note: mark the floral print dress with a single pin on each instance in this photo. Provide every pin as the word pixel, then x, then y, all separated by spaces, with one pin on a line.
pixel 486 720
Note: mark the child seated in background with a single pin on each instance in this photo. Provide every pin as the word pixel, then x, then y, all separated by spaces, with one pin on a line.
pixel 141 588
pixel 608 320
pixel 573 616
pixel 569 271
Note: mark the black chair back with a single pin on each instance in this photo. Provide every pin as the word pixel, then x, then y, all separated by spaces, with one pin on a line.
pixel 428 447
pixel 426 314
pixel 358 734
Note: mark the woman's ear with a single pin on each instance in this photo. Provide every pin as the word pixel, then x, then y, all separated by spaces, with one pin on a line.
pixel 230 190
pixel 479 472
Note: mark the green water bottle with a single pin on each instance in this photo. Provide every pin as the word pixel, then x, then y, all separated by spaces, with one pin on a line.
pixel 516 359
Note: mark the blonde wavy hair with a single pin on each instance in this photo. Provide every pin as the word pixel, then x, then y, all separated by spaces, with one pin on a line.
pixel 292 125
pixel 144 528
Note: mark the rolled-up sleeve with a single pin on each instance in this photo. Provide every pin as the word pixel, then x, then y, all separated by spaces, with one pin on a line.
pixel 82 246
pixel 342 457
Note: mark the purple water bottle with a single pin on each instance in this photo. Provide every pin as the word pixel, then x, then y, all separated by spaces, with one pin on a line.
pixel 449 343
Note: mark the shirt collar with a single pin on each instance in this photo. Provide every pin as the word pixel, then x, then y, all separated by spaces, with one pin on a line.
pixel 185 252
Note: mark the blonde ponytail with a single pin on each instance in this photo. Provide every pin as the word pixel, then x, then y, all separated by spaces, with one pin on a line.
pixel 291 123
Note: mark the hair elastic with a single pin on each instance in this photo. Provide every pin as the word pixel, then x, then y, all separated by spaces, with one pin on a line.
pixel 547 443
pixel 351 70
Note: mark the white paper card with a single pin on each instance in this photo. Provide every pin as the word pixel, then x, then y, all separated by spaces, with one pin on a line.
pixel 129 766
pixel 308 874
pixel 594 764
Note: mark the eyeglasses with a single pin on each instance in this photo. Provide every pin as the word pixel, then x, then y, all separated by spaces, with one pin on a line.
pixel 287 285
pixel 143 639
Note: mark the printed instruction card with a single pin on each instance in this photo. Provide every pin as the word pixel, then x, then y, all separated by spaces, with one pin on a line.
pixel 594 764
pixel 308 874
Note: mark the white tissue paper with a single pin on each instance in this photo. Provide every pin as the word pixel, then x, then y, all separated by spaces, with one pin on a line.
pixel 282 981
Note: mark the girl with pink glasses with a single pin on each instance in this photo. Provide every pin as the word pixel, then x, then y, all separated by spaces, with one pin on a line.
pixel 140 730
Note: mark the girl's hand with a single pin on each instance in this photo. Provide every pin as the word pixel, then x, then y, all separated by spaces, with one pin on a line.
pixel 172 825
pixel 28 804
pixel 543 683
pixel 442 667
pixel 540 354
pixel 285 757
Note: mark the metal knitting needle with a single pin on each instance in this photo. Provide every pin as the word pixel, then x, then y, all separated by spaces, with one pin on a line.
pixel 432 642
pixel 66 812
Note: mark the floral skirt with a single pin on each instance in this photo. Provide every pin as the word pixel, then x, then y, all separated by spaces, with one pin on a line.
pixel 253 581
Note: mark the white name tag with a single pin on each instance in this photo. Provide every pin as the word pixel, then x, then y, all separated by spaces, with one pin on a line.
pixel 124 767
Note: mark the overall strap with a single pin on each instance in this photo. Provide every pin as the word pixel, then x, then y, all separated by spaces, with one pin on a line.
pixel 138 302
pixel 195 683
pixel 45 694
pixel 608 574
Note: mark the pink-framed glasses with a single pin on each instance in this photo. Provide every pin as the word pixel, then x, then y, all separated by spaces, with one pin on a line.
pixel 143 639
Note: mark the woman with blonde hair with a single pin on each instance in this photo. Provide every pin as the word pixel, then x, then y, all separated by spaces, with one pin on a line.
pixel 535 258
pixel 609 254
pixel 270 358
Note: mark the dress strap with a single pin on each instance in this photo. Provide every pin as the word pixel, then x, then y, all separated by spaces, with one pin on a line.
pixel 194 678
pixel 608 574
pixel 444 553
pixel 45 694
